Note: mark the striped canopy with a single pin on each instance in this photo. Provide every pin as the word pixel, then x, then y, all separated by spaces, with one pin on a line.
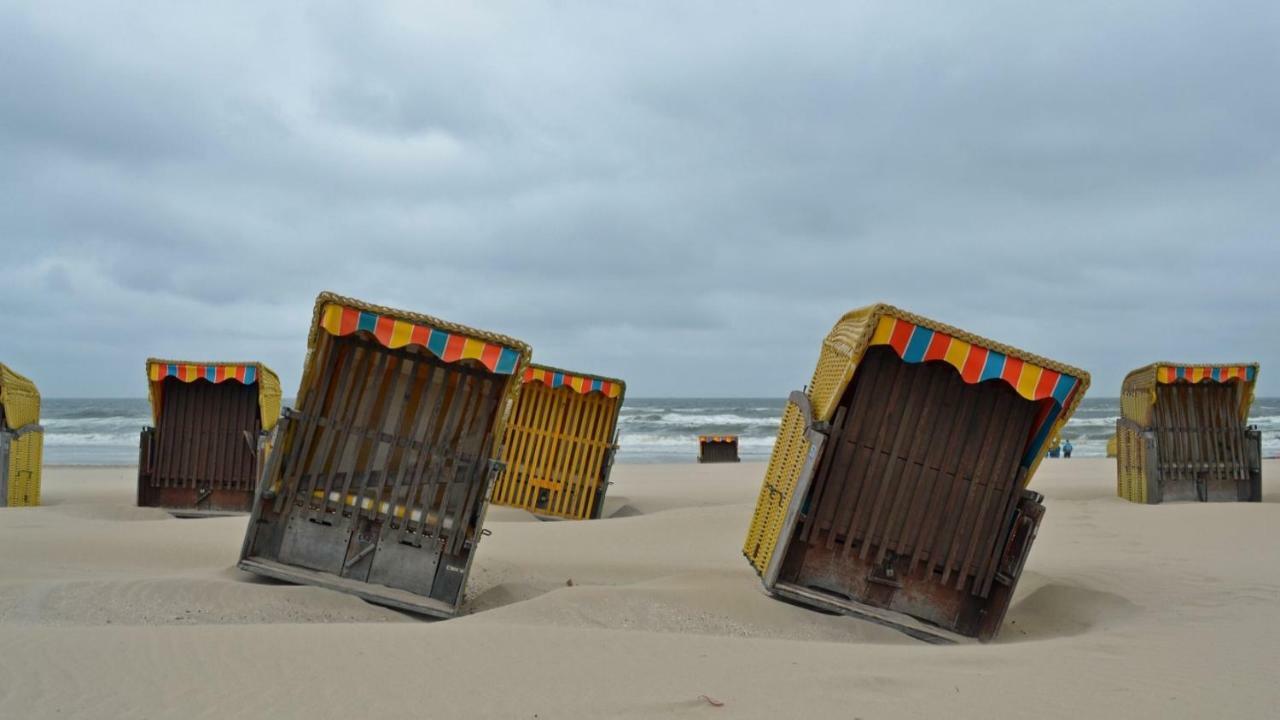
pixel 186 372
pixel 1055 387
pixel 556 378
pixel 1169 374
pixel 915 343
pixel 246 373
pixel 394 332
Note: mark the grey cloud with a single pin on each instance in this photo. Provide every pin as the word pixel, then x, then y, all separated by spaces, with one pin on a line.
pixel 685 195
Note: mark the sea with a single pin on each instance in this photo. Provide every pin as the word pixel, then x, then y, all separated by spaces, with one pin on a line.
pixel 650 430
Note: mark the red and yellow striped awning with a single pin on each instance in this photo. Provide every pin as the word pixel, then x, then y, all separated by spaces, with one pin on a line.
pixel 213 372
pixel 976 364
pixel 1169 374
pixel 583 384
pixel 394 333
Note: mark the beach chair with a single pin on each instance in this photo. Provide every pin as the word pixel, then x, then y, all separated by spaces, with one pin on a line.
pixel 1183 434
pixel 21 440
pixel 717 448
pixel 897 488
pixel 559 443
pixel 203 455
pixel 1113 446
pixel 377 484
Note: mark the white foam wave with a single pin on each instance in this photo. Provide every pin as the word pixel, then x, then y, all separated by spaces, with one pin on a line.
pixel 94 439
pixel 710 421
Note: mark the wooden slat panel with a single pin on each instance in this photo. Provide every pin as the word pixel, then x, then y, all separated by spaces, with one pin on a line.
pixel 920 464
pixel 199 433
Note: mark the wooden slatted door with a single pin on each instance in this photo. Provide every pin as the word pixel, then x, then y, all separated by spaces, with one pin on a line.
pixel 383 471
pixel 556 451
pixel 916 495
pixel 204 449
pixel 1202 443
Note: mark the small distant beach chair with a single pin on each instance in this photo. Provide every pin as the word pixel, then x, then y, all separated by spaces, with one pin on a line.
pixel 1112 446
pixel 212 420
pixel 1183 434
pixel 896 491
pixel 21 440
pixel 559 444
pixel 377 484
pixel 717 448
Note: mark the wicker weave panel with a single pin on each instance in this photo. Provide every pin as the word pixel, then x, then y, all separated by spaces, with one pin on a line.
pixel 21 402
pixel 20 398
pixel 25 457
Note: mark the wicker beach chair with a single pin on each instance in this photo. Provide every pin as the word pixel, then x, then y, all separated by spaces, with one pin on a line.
pixel 559 444
pixel 21 440
pixel 211 421
pixel 377 484
pixel 896 491
pixel 1183 434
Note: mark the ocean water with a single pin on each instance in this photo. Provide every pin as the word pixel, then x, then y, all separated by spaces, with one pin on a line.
pixel 105 432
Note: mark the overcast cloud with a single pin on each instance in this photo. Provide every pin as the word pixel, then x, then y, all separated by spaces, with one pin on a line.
pixel 685 195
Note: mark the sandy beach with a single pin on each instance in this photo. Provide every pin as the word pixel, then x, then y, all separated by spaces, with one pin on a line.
pixel 108 610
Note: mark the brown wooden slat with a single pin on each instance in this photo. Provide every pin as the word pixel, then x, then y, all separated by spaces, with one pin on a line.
pixel 863 428
pixel 948 464
pixel 899 435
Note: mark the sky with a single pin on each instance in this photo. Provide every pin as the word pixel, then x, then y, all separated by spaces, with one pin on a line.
pixel 686 195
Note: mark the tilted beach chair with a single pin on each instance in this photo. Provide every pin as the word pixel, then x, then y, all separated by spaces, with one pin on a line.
pixel 212 421
pixel 559 444
pixel 21 440
pixel 378 483
pixel 896 491
pixel 1183 434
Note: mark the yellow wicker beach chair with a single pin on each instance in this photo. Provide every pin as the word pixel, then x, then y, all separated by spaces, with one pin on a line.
pixel 1183 434
pixel 377 485
pixel 896 491
pixel 21 440
pixel 559 443
pixel 212 420
pixel 1112 446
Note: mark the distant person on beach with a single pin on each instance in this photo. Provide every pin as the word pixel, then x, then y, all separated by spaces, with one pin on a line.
pixel 1066 449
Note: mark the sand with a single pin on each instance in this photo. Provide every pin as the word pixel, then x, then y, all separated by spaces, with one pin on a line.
pixel 107 610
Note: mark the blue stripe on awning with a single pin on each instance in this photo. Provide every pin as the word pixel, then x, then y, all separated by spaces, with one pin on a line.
pixel 917 345
pixel 993 367
pixel 437 341
pixel 507 361
pixel 1062 390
